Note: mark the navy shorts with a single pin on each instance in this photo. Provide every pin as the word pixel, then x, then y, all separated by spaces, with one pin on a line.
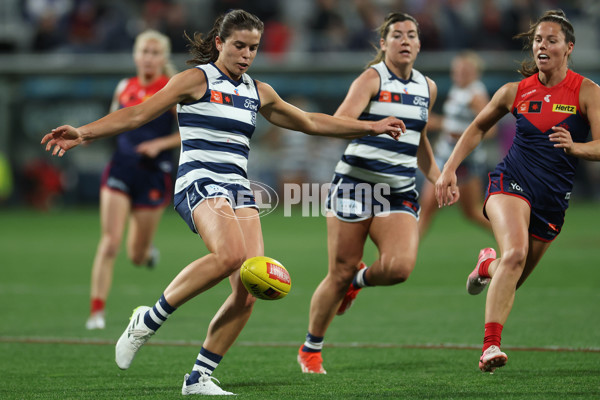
pixel 146 187
pixel 353 200
pixel 544 225
pixel 236 195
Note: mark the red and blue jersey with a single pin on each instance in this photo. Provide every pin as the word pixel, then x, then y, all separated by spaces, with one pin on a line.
pixel 135 93
pixel 542 170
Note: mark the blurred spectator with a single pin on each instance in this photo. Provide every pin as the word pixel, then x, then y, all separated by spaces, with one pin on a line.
pixel 456 18
pixel 42 183
pixel 276 36
pixel 48 35
pixel 327 28
pixel 48 19
pixel 489 33
pixel 175 24
pixel 430 33
pixel 314 25
pixel 153 13
pixel 82 33
pixel 515 19
pixel 364 36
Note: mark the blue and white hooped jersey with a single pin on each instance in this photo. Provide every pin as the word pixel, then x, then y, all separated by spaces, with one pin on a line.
pixel 381 159
pixel 216 131
pixel 458 114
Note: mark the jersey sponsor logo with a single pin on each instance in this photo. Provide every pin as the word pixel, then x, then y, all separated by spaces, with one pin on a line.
pixel 221 98
pixel 420 101
pixel 564 108
pixel 515 187
pixel 212 189
pixel 528 93
pixel 547 98
pixel 386 96
pixel 216 97
pixel 529 107
pixel 251 104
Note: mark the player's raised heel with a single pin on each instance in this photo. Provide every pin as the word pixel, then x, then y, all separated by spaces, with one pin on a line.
pixel 350 295
pixel 476 283
pixel 134 336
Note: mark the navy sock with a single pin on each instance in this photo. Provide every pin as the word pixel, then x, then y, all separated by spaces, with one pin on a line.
pixel 360 279
pixel 155 317
pixel 313 344
pixel 205 365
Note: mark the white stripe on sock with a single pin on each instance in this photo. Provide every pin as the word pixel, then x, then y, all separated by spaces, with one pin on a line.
pixel 314 346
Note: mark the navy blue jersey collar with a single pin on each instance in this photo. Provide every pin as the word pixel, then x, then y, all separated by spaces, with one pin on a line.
pixel 394 76
pixel 225 77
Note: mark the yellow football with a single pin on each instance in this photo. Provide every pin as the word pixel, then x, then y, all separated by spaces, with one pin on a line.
pixel 265 278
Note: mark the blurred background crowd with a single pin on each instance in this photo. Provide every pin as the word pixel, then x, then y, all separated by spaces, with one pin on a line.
pixel 61 59
pixel 86 26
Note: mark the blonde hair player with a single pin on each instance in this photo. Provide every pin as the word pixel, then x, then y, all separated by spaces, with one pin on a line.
pixel 136 185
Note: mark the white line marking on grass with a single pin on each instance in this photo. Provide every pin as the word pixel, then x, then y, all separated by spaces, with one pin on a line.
pixel 197 343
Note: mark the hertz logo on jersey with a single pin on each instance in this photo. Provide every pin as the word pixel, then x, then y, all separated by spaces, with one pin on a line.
pixel 564 108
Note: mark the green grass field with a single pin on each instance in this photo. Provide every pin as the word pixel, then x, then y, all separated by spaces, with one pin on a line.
pixel 418 340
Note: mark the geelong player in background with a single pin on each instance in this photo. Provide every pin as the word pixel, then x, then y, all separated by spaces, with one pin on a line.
pixel 217 103
pixel 529 191
pixel 136 184
pixel 466 98
pixel 357 205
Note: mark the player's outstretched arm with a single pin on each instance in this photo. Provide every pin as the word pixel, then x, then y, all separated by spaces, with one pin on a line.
pixel 188 85
pixel 285 115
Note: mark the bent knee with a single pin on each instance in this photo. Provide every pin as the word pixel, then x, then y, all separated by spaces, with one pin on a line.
pixel 397 269
pixel 343 272
pixel 515 257
pixel 230 261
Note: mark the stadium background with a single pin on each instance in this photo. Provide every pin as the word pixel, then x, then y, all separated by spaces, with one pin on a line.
pixel 60 61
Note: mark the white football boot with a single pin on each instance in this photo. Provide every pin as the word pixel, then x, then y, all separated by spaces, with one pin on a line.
pixel 134 336
pixel 206 385
pixel 95 321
